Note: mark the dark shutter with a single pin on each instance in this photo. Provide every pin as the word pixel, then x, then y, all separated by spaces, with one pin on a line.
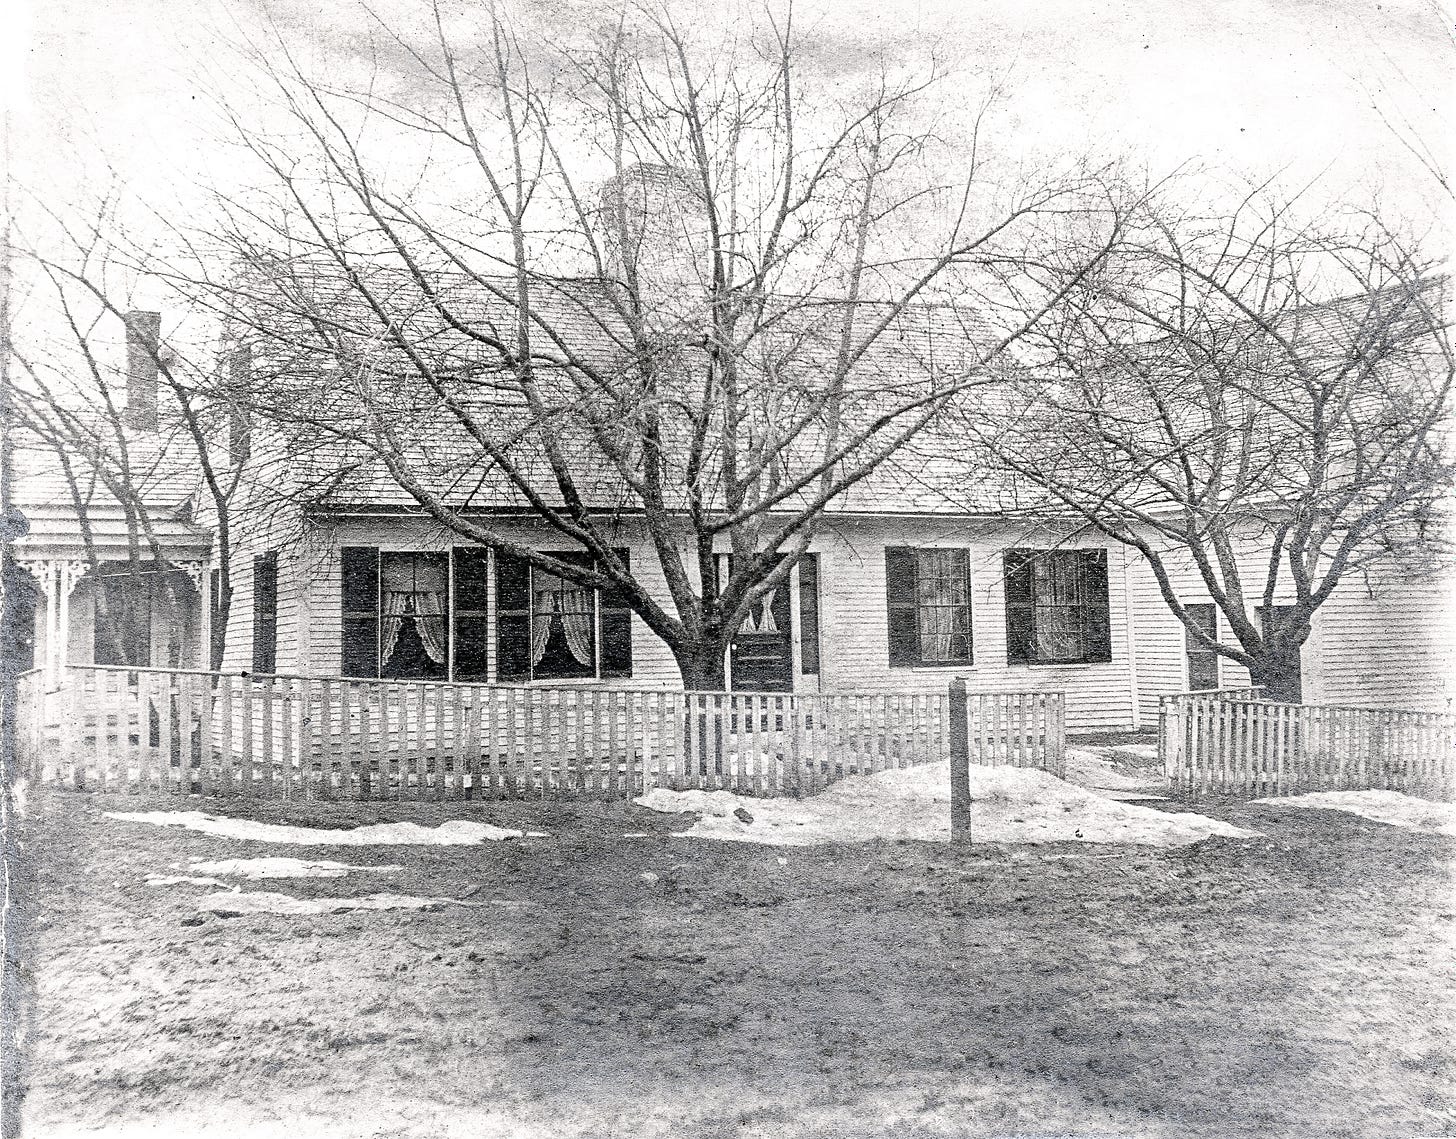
pixel 900 601
pixel 1020 606
pixel 513 618
pixel 1096 621
pixel 359 580
pixel 809 614
pixel 472 612
pixel 616 618
pixel 265 613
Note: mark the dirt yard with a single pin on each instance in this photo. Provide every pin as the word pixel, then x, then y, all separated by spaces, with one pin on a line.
pixel 1294 985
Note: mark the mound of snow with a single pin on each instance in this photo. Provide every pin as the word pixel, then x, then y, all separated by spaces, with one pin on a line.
pixel 456 832
pixel 1380 806
pixel 1009 804
pixel 266 903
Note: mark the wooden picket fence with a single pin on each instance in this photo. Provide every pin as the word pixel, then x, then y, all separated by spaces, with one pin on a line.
pixel 135 729
pixel 1218 744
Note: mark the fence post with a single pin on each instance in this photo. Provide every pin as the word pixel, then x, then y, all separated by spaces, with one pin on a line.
pixel 960 764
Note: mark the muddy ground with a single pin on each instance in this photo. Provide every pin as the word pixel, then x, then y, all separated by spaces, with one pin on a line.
pixel 1294 985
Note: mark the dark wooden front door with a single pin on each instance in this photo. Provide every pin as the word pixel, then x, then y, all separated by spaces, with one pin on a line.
pixel 762 659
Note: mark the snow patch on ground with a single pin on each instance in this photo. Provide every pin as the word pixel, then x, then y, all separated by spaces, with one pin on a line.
pixel 282 868
pixel 185 880
pixel 260 902
pixel 1380 806
pixel 1009 804
pixel 456 832
pixel 1094 768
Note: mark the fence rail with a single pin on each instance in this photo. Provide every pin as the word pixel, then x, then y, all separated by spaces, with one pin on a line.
pixel 1215 745
pixel 120 729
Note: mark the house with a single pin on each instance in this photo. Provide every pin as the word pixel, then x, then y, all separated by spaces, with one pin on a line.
pixel 932 568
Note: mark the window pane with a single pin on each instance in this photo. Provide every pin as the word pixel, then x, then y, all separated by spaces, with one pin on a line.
pixel 512 582
pixel 413 602
pixel 471 579
pixel 472 648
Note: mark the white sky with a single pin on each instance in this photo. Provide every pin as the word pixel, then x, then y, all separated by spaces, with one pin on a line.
pixel 1252 85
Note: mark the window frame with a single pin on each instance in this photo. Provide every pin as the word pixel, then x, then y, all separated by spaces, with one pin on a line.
pixel 608 609
pixel 1019 587
pixel 902 562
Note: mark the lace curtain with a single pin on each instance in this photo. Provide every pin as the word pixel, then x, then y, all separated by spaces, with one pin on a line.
pixel 942 602
pixel 413 588
pixel 573 608
pixel 1058 608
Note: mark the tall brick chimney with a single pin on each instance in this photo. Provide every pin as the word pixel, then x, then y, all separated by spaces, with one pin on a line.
pixel 654 223
pixel 143 336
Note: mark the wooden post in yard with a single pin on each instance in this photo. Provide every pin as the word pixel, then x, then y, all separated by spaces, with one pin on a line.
pixel 960 764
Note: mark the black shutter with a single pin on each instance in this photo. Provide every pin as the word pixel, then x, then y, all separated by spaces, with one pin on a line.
pixel 265 613
pixel 472 612
pixel 900 601
pixel 512 618
pixel 616 618
pixel 809 614
pixel 1020 606
pixel 359 589
pixel 1096 618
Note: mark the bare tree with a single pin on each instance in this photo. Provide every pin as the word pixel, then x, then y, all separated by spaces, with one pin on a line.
pixel 1262 402
pixel 648 274
pixel 122 448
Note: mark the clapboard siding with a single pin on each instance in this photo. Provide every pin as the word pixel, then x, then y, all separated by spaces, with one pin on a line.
pixel 1387 642
pixel 856 639
pixel 1162 660
pixel 294 565
pixel 853 620
pixel 1380 641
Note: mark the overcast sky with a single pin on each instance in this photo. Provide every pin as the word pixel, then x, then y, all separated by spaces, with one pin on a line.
pixel 1253 85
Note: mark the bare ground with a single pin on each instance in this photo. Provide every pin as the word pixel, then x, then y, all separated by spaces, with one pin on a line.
pixel 1297 985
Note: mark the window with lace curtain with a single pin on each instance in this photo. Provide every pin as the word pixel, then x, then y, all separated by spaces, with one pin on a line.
pixel 551 628
pixel 1057 607
pixel 928 594
pixel 395 614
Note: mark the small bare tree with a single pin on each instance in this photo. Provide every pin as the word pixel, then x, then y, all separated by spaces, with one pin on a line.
pixel 120 451
pixel 1238 384
pixel 648 273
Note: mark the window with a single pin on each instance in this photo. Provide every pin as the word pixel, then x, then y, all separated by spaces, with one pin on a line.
pixel 1056 607
pixel 265 613
pixel 1202 662
pixel 414 595
pixel 928 594
pixel 809 614
pixel 398 619
pixel 549 628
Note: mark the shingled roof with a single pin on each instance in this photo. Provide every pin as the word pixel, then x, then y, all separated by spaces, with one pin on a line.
pixel 578 327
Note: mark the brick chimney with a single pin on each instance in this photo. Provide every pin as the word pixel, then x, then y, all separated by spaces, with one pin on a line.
pixel 143 337
pixel 240 378
pixel 653 222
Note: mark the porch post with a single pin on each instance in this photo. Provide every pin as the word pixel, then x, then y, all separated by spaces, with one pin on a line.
pixel 197 572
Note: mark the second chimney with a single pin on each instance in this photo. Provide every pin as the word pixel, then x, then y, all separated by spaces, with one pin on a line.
pixel 143 338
